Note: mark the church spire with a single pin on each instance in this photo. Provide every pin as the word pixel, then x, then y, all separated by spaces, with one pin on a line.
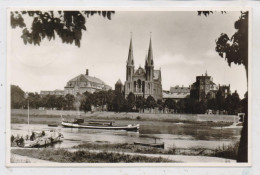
pixel 130 60
pixel 150 52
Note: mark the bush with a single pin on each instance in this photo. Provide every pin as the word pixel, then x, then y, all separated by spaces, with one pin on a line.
pixel 227 151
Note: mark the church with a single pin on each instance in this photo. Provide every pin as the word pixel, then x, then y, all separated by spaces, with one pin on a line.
pixel 143 81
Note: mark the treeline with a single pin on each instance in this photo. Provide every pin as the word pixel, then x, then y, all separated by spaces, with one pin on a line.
pixel 232 104
pixel 19 100
pixel 112 101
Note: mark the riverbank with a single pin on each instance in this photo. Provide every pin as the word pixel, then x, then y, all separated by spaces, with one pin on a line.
pixel 85 156
pixel 53 116
pixel 98 156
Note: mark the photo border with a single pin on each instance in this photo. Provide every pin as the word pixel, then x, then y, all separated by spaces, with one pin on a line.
pixel 126 8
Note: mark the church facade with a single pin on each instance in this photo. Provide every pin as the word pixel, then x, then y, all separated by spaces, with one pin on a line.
pixel 143 81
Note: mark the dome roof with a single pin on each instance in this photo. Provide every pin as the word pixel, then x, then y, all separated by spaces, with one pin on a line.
pixel 119 82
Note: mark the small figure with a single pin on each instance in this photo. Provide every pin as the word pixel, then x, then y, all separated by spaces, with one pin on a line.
pixel 43 133
pixel 32 136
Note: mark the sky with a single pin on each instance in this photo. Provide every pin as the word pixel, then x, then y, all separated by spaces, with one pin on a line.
pixel 183 47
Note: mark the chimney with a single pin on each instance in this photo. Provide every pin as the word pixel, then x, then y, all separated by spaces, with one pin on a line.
pixel 87 72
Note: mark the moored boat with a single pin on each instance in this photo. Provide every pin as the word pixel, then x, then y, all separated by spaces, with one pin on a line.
pixel 156 145
pixel 79 123
pixel 40 139
pixel 52 125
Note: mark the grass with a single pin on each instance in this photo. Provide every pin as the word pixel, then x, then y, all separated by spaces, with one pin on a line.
pixel 226 151
pixel 125 147
pixel 83 156
pixel 54 119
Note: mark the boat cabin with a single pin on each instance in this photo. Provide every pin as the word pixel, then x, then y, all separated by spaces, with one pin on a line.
pixel 78 121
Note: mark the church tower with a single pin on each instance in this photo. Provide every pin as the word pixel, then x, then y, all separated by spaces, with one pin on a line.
pixel 130 63
pixel 149 67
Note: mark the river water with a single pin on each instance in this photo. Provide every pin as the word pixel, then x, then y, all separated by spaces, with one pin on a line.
pixel 179 135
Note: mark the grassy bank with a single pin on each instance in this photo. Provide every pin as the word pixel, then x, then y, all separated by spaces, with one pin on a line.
pixel 125 147
pixel 124 115
pixel 53 119
pixel 225 151
pixel 80 156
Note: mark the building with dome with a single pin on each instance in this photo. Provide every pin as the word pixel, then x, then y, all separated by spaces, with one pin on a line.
pixel 143 81
pixel 83 83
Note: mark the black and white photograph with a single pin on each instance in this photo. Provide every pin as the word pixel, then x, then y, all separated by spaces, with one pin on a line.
pixel 118 86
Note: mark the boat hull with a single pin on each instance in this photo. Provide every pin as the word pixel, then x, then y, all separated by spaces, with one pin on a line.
pixel 155 145
pixel 75 125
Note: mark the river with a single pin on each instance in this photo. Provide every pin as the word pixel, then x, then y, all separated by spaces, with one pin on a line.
pixel 179 135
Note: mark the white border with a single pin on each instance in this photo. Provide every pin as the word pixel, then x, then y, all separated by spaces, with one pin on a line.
pixel 128 164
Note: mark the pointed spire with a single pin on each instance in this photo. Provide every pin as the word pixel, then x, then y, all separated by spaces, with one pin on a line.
pixel 206 74
pixel 130 60
pixel 146 58
pixel 150 52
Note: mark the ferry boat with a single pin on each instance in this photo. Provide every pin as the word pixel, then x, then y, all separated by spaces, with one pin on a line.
pixel 39 139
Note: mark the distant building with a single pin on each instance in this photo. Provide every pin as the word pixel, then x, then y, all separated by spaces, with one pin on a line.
pixel 177 93
pixel 225 90
pixel 56 92
pixel 119 87
pixel 83 83
pixel 143 81
pixel 203 88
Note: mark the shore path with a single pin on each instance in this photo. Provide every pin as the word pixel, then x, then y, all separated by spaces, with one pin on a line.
pixel 15 158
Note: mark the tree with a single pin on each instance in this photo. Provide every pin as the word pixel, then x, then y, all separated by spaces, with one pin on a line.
pixel 220 100
pixel 17 97
pixel 160 105
pixel 232 104
pixel 69 101
pixel 110 98
pixel 61 103
pixel 86 102
pixel 140 103
pixel 212 104
pixel 131 101
pixel 67 25
pixel 170 104
pixel 119 101
pixel 150 102
pixel 235 50
pixel 52 101
pixel 235 103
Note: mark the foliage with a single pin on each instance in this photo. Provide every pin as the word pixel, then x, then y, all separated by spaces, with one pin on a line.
pixel 227 151
pixel 17 97
pixel 131 100
pixel 69 101
pixel 160 105
pixel 140 103
pixel 80 156
pixel 235 48
pixel 67 25
pixel 118 102
pixel 232 103
pixel 170 104
pixel 150 102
